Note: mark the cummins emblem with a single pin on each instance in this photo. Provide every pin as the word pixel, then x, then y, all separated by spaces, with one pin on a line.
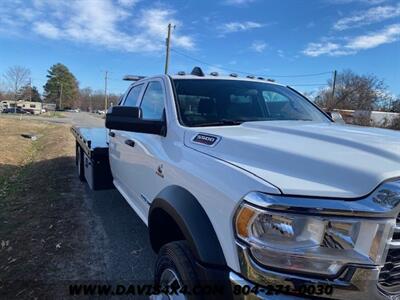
pixel 206 139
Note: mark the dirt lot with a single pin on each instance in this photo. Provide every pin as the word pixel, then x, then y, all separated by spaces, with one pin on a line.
pixel 47 233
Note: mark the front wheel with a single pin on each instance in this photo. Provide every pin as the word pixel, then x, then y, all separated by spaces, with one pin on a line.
pixel 175 269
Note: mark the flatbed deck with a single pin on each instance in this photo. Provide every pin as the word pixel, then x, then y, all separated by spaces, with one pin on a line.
pixel 94 140
pixel 93 144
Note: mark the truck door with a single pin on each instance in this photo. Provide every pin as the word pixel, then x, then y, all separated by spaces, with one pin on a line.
pixel 117 147
pixel 142 152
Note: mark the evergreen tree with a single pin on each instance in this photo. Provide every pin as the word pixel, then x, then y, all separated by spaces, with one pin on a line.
pixel 61 82
pixel 35 97
pixel 29 93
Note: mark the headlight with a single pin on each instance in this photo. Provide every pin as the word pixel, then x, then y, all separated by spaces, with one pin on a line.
pixel 312 244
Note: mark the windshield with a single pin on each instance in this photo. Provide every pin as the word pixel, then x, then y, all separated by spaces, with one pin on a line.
pixel 208 102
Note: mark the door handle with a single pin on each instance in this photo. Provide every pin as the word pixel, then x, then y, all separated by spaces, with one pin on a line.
pixel 111 133
pixel 130 143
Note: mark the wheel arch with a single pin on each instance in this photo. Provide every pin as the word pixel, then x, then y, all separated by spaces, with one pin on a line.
pixel 178 211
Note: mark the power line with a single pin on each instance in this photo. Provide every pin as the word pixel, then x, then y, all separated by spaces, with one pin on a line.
pixel 247 73
pixel 309 84
pixel 303 75
pixel 208 64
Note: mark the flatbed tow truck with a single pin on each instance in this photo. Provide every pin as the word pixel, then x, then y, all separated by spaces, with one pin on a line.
pixel 247 184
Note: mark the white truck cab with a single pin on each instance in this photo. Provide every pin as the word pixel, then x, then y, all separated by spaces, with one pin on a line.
pixel 245 183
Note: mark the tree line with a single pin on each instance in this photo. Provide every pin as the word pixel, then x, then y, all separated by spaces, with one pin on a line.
pixel 352 91
pixel 61 88
pixel 363 94
pixel 357 92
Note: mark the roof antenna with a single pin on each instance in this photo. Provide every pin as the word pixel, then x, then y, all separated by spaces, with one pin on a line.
pixel 197 71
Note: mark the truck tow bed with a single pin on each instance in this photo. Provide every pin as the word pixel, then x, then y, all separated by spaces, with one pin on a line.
pixel 92 149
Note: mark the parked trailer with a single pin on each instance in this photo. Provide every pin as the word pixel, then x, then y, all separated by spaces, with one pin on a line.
pixel 92 157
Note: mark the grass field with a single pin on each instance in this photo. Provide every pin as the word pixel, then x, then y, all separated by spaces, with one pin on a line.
pixel 52 114
pixel 43 219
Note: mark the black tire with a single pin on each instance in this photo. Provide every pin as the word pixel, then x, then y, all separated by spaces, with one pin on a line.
pixel 79 161
pixel 176 256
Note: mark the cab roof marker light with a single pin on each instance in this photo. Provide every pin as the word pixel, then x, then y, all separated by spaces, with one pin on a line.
pixel 197 71
pixel 133 77
pixel 214 74
pixel 233 75
pixel 250 76
pixel 181 73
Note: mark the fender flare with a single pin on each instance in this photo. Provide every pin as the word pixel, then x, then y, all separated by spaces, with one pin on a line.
pixel 192 220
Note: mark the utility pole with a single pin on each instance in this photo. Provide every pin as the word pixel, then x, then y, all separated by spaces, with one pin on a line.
pixel 30 89
pixel 90 101
pixel 61 88
pixel 334 84
pixel 15 97
pixel 168 43
pixel 105 92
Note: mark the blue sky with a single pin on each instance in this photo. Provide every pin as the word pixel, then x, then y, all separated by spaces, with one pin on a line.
pixel 270 38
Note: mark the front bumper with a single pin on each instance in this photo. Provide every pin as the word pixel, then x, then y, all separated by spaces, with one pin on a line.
pixel 354 283
pixel 242 284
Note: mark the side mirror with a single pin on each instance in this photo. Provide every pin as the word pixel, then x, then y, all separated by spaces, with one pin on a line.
pixel 129 118
pixel 336 117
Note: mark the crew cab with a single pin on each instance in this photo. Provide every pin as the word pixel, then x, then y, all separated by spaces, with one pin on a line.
pixel 246 183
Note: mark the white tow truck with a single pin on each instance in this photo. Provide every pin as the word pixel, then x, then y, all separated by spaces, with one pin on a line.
pixel 245 183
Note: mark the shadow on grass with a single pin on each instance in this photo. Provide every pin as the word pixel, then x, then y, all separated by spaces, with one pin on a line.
pixel 53 228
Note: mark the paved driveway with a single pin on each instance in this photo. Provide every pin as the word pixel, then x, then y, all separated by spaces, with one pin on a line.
pixel 83 119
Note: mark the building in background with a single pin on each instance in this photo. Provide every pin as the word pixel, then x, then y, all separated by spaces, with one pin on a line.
pixel 371 118
pixel 49 106
pixel 34 108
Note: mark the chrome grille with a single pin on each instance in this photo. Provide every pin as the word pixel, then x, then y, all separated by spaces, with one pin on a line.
pixel 389 277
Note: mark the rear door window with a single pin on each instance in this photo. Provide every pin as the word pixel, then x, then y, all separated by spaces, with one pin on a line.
pixel 153 101
pixel 133 96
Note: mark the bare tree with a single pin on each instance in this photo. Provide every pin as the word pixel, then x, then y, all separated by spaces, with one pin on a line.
pixel 395 105
pixel 395 124
pixel 357 92
pixel 17 77
pixel 90 100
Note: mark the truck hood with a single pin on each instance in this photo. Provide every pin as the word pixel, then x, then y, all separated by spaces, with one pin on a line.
pixel 306 158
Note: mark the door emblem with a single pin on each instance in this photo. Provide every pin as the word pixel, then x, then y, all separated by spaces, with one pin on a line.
pixel 159 171
pixel 206 139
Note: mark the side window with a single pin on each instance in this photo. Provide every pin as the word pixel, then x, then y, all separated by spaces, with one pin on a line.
pixel 133 96
pixel 153 101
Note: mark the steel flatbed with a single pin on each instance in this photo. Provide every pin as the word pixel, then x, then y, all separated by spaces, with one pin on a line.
pixel 92 156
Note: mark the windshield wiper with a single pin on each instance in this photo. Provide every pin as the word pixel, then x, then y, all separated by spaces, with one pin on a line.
pixel 223 122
